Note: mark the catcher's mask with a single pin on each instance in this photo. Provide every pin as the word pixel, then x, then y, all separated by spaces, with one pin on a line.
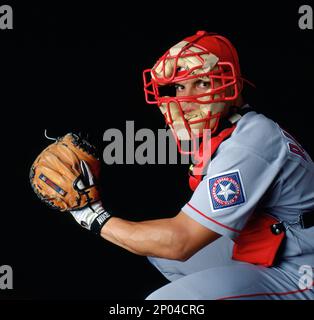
pixel 205 56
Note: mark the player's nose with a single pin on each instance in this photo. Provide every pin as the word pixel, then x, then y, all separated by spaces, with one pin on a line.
pixel 189 106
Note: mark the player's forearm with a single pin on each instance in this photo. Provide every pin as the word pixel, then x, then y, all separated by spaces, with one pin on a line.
pixel 158 238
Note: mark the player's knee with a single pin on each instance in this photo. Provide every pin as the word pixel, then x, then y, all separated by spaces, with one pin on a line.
pixel 173 291
pixel 151 297
pixel 167 268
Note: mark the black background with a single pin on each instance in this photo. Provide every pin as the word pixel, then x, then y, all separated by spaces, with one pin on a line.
pixel 79 67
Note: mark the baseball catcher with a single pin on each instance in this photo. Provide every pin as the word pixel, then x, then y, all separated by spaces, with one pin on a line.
pixel 247 232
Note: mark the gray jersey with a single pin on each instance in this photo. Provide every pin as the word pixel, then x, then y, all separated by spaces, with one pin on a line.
pixel 260 165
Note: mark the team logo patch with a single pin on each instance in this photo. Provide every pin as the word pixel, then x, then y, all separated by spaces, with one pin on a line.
pixel 226 191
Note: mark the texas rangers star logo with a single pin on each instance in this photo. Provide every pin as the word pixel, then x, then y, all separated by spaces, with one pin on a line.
pixel 226 190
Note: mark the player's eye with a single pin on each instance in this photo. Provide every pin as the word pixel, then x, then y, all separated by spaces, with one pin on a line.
pixel 179 87
pixel 203 84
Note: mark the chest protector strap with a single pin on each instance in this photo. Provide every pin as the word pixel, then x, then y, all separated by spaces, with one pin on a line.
pixel 197 171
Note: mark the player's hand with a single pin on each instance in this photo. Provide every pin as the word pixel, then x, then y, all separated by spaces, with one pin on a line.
pixel 94 216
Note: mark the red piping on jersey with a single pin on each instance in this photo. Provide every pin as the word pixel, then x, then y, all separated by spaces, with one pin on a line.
pixel 212 220
pixel 265 294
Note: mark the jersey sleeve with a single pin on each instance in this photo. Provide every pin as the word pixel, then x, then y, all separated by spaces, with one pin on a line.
pixel 235 183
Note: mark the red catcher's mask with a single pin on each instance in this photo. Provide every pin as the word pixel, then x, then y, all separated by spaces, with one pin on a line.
pixel 204 56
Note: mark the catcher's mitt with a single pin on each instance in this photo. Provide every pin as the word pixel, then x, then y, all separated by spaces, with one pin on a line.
pixel 59 175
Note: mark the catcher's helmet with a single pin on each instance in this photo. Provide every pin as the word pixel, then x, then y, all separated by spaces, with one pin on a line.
pixel 206 56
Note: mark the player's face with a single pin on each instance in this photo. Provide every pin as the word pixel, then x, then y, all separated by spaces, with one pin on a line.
pixel 193 111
